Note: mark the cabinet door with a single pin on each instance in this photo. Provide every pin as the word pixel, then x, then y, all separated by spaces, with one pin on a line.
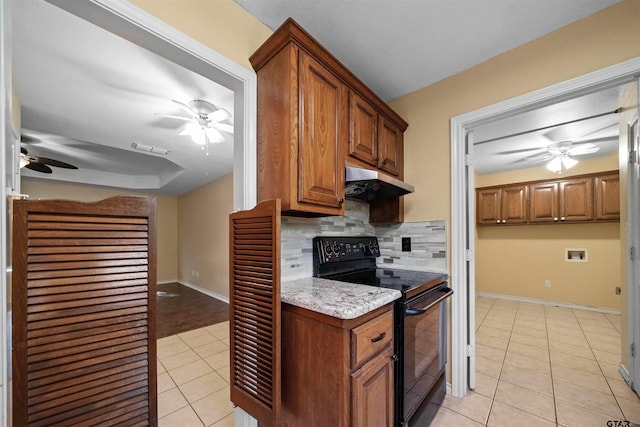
pixel 514 205
pixel 322 128
pixel 488 204
pixel 608 198
pixel 389 146
pixel 576 199
pixel 363 130
pixel 372 392
pixel 543 202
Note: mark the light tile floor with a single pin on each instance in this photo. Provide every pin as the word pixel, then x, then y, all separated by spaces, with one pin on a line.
pixel 193 378
pixel 540 365
pixel 536 366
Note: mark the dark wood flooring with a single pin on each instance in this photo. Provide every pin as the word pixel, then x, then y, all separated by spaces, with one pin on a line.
pixel 181 309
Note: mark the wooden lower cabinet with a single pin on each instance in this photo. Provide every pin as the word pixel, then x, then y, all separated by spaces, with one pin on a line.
pixel 371 387
pixel 337 372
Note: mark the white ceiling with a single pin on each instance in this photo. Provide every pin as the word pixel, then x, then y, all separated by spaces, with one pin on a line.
pixel 87 95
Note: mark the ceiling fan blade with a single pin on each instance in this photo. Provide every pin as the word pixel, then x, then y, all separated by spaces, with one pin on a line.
pixel 51 162
pixel 188 119
pixel 219 115
pixel 223 127
pixel 587 148
pixel 186 108
pixel 39 167
pixel 27 139
pixel 522 150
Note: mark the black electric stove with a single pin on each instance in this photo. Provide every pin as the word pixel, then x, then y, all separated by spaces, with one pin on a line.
pixel 353 260
pixel 420 320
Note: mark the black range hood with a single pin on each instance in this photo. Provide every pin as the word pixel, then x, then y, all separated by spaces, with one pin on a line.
pixel 369 185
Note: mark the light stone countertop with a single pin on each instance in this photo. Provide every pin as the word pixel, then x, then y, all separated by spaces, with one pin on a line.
pixel 338 299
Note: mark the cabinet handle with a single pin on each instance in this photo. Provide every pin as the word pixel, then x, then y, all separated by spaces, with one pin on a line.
pixel 504 221
pixel 497 221
pixel 379 337
pixel 340 200
pixel 384 162
pixel 561 218
pixel 555 219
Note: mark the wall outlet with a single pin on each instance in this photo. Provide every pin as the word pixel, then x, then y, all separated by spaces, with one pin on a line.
pixel 406 244
pixel 547 283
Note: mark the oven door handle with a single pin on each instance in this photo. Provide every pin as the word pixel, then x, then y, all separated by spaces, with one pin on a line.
pixel 419 311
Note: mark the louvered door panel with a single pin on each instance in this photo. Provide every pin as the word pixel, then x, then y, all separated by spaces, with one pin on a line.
pixel 83 303
pixel 255 311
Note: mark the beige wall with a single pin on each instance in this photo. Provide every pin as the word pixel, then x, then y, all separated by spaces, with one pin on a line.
pixel 598 41
pixel 517 260
pixel 167 215
pixel 222 25
pixel 203 235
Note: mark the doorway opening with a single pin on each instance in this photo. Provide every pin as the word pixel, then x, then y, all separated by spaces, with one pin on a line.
pixel 463 195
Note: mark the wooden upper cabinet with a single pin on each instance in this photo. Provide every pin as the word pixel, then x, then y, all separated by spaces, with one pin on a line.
pixel 313 114
pixel 543 202
pixel 567 200
pixel 576 199
pixel 390 141
pixel 322 128
pixel 363 130
pixel 374 139
pixel 504 205
pixel 607 198
pixel 586 198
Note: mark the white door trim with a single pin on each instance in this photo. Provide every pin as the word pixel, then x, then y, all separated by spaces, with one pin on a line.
pixel 463 198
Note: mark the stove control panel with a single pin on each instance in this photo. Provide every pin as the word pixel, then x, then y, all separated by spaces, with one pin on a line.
pixel 333 249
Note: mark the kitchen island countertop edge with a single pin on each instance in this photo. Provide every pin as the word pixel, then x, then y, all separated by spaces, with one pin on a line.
pixel 338 299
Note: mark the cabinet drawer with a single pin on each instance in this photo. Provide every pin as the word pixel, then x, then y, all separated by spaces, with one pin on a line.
pixel 371 337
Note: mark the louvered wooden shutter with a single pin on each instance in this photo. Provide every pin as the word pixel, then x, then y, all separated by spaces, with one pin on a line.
pixel 83 306
pixel 255 311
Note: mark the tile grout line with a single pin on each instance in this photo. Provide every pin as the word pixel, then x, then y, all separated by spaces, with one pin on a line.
pixel 600 366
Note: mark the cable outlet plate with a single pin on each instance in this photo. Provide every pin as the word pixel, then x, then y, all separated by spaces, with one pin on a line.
pixel 547 283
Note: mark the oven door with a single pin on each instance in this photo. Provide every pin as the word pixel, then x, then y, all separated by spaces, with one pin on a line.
pixel 423 354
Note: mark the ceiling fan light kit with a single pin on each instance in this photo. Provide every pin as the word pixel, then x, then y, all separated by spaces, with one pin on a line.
pixel 562 152
pixel 204 122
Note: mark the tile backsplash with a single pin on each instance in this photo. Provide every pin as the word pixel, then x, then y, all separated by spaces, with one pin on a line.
pixel 428 241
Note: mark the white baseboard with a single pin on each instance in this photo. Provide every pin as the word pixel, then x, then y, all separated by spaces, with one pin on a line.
pixel 551 303
pixel 203 290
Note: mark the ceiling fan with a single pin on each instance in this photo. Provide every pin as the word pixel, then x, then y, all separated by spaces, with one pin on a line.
pixel 205 121
pixel 41 164
pixel 561 154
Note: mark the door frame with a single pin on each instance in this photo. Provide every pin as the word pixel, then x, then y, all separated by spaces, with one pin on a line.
pixel 140 27
pixel 463 196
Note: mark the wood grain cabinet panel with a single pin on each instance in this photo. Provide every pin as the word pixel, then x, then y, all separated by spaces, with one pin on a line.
pixel 371 388
pixel 543 202
pixel 324 383
pixel 503 205
pixel 363 130
pixel 390 142
pixel 313 114
pixel 83 307
pixel 322 129
pixel 576 199
pixel 585 198
pixel 607 199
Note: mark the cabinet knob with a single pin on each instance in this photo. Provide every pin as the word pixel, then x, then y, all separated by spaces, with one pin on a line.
pixel 340 200
pixel 561 218
pixel 555 218
pixel 384 162
pixel 504 221
pixel 497 221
